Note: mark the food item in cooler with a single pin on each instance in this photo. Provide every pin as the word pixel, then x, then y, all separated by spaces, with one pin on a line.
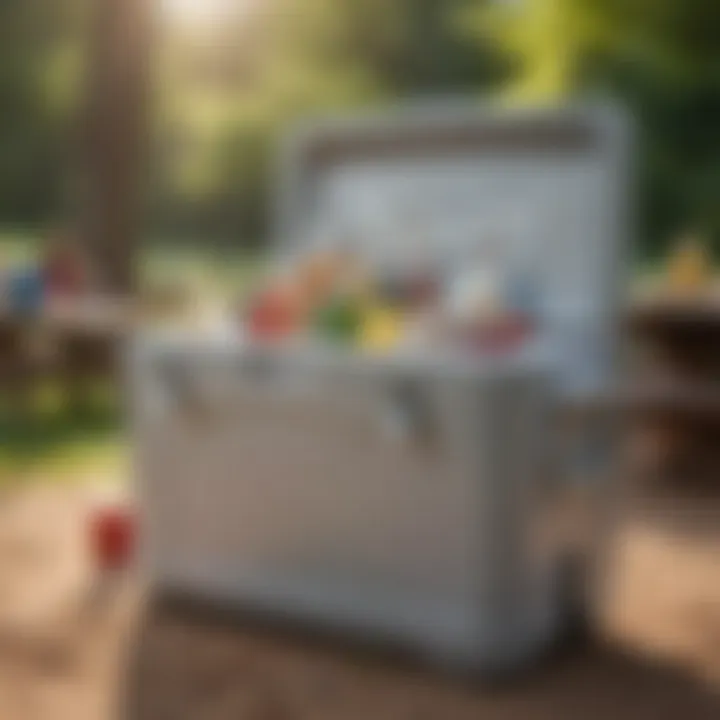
pixel 339 319
pixel 408 290
pixel 423 290
pixel 504 333
pixel 333 297
pixel 317 276
pixel 326 273
pixel 473 296
pixel 381 329
pixel 276 312
pixel 485 314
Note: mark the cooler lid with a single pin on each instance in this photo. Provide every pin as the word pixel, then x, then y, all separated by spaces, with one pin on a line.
pixel 546 190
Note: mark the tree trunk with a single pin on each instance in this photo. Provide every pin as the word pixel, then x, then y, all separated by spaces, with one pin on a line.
pixel 113 138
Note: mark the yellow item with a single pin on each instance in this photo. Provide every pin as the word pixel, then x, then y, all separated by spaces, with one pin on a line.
pixel 689 267
pixel 381 330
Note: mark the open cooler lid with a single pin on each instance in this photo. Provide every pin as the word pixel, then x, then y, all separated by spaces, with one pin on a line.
pixel 546 190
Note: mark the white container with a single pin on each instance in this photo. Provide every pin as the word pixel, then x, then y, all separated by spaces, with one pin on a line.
pixel 410 498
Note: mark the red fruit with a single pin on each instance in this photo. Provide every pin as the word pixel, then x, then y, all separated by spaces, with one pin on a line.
pixel 274 314
pixel 423 290
pixel 503 336
pixel 112 537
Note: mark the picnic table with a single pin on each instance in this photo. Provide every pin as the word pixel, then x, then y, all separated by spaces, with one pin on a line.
pixel 69 340
pixel 676 373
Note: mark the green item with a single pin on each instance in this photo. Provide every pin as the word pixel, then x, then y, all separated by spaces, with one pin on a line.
pixel 339 320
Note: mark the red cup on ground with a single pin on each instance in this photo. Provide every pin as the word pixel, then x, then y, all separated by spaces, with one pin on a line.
pixel 113 535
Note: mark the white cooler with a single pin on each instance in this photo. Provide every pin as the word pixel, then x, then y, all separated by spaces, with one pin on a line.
pixel 411 498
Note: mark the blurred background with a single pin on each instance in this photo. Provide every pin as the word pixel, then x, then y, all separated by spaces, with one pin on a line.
pixel 145 133
pixel 230 75
pixel 217 82
pixel 150 128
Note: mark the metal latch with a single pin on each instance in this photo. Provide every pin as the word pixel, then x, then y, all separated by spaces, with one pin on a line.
pixel 407 412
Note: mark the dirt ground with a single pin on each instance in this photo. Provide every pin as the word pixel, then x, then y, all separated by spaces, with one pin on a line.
pixel 68 652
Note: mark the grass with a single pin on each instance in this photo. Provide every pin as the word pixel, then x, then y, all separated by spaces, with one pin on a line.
pixel 51 438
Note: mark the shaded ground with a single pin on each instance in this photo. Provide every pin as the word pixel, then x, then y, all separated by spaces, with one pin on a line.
pixel 201 671
pixel 65 653
pixel 60 658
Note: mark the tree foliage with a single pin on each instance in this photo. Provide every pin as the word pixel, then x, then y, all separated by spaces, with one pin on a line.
pixel 661 59
pixel 227 95
pixel 225 91
pixel 40 55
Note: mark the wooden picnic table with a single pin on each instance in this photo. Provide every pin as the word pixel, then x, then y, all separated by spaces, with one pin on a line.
pixel 72 341
pixel 683 333
pixel 97 315
pixel 676 373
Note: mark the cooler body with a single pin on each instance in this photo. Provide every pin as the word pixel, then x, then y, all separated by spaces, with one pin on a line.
pixel 412 498
pixel 404 502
